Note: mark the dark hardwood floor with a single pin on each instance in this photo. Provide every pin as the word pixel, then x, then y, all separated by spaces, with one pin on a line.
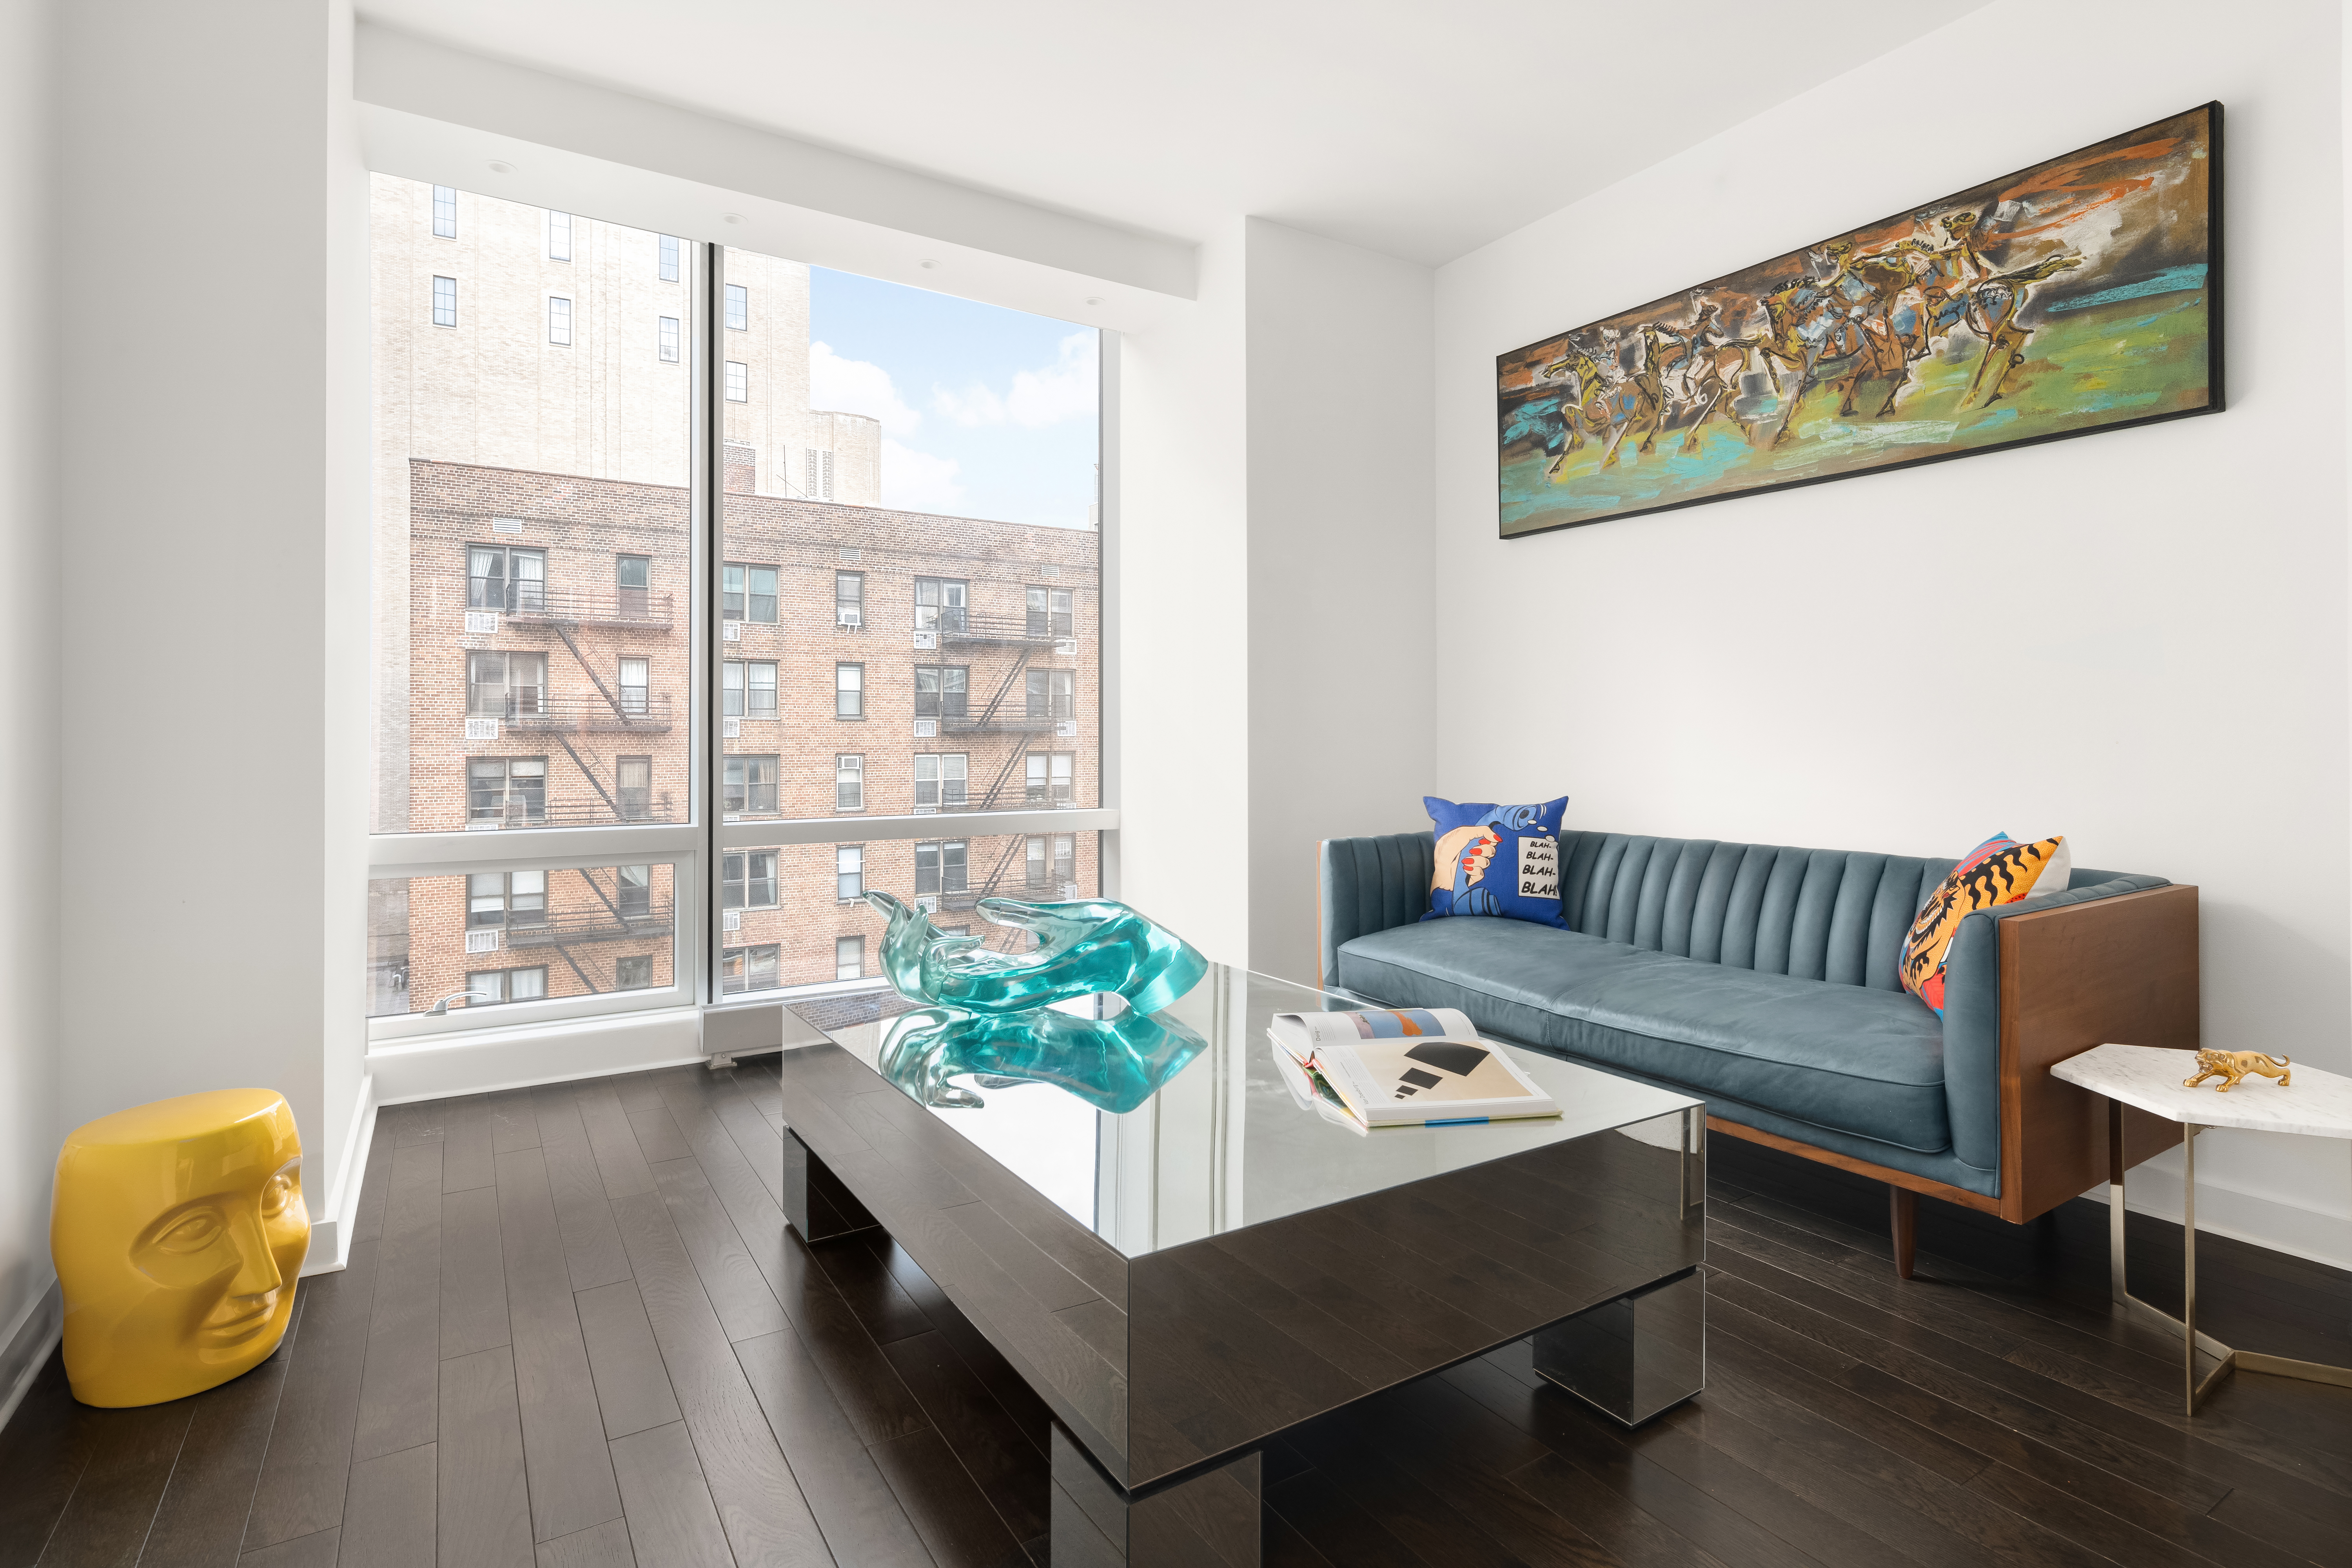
pixel 575 1331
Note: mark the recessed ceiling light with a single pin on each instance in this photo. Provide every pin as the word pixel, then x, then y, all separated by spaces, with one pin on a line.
pixel 500 166
pixel 732 217
pixel 928 264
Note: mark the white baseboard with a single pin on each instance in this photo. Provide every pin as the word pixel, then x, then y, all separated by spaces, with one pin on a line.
pixel 330 1238
pixel 26 1347
pixel 2255 1218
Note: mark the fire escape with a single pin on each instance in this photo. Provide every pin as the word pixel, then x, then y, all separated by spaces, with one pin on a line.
pixel 1011 710
pixel 529 605
pixel 624 913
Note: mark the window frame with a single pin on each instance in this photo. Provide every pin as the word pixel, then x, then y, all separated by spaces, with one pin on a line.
pixel 689 847
pixel 665 334
pixel 445 227
pixel 739 382
pixel 558 321
pixel 559 235
pixel 440 295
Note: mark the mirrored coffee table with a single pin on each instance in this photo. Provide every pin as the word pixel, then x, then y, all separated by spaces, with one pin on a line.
pixel 1184 1278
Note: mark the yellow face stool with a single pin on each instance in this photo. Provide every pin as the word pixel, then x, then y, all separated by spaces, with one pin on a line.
pixel 178 1228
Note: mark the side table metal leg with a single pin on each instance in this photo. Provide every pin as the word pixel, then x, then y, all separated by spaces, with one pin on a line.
pixel 1635 1357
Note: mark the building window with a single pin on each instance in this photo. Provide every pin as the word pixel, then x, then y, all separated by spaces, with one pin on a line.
pixel 939 779
pixel 558 321
pixel 751 785
pixel 633 973
pixel 505 899
pixel 1049 612
pixel 445 212
pixel 939 604
pixel 817 474
pixel 633 891
pixel 739 382
pixel 634 678
pixel 669 340
pixel 558 237
pixel 748 969
pixel 500 578
pixel 511 790
pixel 849 598
pixel 849 873
pixel 502 685
pixel 738 307
pixel 849 691
pixel 848 783
pixel 445 301
pixel 632 576
pixel 1053 859
pixel 848 957
pixel 668 265
pixel 750 880
pixel 506 985
pixel 632 782
pixel 1051 693
pixel 756 701
pixel 939 867
pixel 747 593
pixel 941 690
pixel 1049 778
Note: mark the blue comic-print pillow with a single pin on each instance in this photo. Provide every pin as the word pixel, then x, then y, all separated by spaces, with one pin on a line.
pixel 1496 860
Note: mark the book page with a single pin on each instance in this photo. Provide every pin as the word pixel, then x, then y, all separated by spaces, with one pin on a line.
pixel 1420 1072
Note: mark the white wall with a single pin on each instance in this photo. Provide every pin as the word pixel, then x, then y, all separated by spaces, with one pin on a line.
pixel 214 407
pixel 1183 610
pixel 2139 638
pixel 30 618
pixel 1341 631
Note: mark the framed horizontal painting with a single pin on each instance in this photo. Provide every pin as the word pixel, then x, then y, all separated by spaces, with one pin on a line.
pixel 2080 295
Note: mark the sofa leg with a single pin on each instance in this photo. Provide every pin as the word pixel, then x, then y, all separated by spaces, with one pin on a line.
pixel 1903 1212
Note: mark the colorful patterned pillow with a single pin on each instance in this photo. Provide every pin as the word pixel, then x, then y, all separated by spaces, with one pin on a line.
pixel 1496 860
pixel 2000 870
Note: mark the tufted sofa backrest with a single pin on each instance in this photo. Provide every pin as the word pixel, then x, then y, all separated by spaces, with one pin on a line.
pixel 1815 914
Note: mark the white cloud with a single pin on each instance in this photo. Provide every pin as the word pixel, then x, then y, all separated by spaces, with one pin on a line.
pixel 854 386
pixel 918 482
pixel 1063 390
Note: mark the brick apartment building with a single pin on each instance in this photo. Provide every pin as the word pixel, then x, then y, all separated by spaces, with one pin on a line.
pixel 533 624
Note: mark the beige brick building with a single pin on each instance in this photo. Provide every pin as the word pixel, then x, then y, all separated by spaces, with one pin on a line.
pixel 533 618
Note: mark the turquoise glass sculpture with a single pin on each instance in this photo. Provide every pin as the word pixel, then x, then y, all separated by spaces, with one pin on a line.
pixel 1086 947
pixel 1112 1064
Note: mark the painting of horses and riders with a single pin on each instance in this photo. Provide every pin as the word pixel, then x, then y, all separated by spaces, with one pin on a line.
pixel 2080 295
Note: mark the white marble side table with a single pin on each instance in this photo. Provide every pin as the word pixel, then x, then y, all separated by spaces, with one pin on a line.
pixel 2314 1103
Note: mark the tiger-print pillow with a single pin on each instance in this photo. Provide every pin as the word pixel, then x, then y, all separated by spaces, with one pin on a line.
pixel 2000 870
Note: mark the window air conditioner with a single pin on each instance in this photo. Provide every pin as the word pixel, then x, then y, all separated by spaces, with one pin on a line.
pixel 482 941
pixel 481 728
pixel 843 615
pixel 481 622
pixel 927 903
pixel 1067 646
pixel 927 729
pixel 1069 890
pixel 1066 726
pixel 927 639
pixel 506 526
pixel 730 729
pixel 733 631
pixel 732 920
pixel 925 810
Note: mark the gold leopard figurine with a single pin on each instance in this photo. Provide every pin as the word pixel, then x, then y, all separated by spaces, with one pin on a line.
pixel 2235 1065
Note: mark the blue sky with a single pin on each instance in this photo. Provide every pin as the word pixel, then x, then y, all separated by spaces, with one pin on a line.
pixel 985 412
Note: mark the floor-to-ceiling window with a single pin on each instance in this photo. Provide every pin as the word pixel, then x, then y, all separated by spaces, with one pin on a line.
pixel 694 566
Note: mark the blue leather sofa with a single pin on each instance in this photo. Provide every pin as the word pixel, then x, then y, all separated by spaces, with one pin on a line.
pixel 1762 979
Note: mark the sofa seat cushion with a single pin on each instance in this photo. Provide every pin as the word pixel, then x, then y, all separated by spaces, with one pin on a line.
pixel 1856 1058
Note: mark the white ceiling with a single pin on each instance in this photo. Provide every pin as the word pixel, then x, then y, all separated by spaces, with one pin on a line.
pixel 1421 130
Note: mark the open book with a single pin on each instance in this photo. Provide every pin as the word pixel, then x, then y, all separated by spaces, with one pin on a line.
pixel 1412 1066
